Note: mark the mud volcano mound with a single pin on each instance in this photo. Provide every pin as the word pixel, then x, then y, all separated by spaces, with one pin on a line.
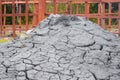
pixel 62 48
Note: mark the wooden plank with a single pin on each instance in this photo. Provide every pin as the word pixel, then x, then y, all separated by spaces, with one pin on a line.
pixel 99 13
pixel 70 12
pixel 57 1
pixel 87 6
pixel 0 18
pixel 55 6
pixel 103 15
pixel 66 8
pixel 16 25
pixel 77 8
pixel 41 12
pixel 20 11
pixel 110 1
pixel 13 18
pixel 44 6
pixel 20 14
pixel 26 16
pixel 20 2
pixel 84 1
pixel 109 19
pixel 35 17
pixel 4 22
pixel 119 19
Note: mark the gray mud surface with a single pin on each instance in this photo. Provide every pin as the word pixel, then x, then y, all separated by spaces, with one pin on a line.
pixel 62 48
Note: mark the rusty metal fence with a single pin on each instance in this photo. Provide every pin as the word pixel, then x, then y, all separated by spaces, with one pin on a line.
pixel 25 14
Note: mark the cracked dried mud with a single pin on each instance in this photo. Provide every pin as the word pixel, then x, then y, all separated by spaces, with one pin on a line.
pixel 62 48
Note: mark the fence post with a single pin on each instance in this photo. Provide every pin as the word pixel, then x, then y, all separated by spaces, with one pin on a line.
pixel 70 7
pixel 55 7
pixel 41 10
pixel 13 18
pixel 87 5
pixel 0 18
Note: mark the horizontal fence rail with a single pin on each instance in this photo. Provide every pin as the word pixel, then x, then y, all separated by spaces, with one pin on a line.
pixel 23 15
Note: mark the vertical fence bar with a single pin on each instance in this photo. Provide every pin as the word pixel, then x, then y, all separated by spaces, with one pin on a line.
pixel 119 19
pixel 109 23
pixel 44 6
pixel 35 19
pixel 4 14
pixel 87 5
pixel 0 18
pixel 20 17
pixel 54 5
pixel 4 21
pixel 41 13
pixel 98 14
pixel 77 8
pixel 70 7
pixel 26 16
pixel 103 14
pixel 13 18
pixel 66 10
pixel 57 5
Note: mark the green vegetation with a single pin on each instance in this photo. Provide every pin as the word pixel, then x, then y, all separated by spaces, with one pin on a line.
pixel 94 8
pixel 17 19
pixel 61 7
pixel 49 7
pixel 3 40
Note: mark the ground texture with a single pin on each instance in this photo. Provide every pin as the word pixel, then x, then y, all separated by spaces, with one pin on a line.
pixel 62 48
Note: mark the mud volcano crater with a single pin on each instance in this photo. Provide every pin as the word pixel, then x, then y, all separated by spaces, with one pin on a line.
pixel 62 48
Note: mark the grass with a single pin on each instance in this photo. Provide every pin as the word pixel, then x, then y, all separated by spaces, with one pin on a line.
pixel 3 40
